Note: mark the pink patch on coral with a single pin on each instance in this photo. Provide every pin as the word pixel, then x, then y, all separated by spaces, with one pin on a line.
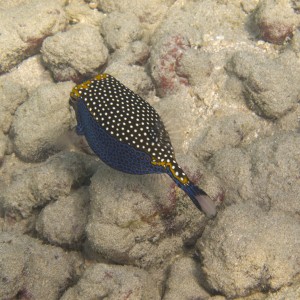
pixel 171 55
pixel 276 33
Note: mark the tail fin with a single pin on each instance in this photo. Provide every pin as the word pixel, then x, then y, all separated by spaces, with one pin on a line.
pixel 200 199
pixel 198 196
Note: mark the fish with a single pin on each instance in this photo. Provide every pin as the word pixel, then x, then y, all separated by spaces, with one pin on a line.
pixel 127 134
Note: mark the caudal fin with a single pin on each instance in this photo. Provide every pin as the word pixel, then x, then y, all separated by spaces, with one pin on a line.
pixel 201 199
pixel 198 196
pixel 207 205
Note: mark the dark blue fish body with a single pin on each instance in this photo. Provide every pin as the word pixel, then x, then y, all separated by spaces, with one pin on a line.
pixel 119 156
pixel 127 134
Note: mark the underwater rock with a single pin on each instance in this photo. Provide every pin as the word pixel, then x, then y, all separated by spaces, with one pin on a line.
pixel 12 94
pixel 195 66
pixel 248 249
pixel 40 122
pixel 113 283
pixel 148 11
pixel 276 20
pixel 228 130
pixel 38 185
pixel 275 164
pixel 120 29
pixel 265 172
pixel 29 74
pixel 184 281
pixel 139 220
pixel 12 264
pixel 31 270
pixel 233 167
pixel 136 53
pixel 79 12
pixel 3 145
pixel 63 222
pixel 187 28
pixel 75 54
pixel 271 86
pixel 289 292
pixel 25 26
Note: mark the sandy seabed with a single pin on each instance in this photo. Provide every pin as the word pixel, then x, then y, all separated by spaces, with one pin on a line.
pixel 225 78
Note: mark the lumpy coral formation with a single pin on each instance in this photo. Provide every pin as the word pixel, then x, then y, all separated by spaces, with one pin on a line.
pixel 224 78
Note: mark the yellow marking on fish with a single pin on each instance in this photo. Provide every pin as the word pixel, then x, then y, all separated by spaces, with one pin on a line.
pixel 182 179
pixel 85 85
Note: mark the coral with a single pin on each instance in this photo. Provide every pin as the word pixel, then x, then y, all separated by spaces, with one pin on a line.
pixel 166 63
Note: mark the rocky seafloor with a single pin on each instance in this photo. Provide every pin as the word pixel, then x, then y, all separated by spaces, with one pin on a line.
pixel 225 78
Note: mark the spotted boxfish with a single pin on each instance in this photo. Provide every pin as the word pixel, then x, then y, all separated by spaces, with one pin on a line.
pixel 127 134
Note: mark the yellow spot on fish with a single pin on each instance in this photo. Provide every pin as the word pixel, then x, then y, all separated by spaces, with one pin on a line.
pixel 183 179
